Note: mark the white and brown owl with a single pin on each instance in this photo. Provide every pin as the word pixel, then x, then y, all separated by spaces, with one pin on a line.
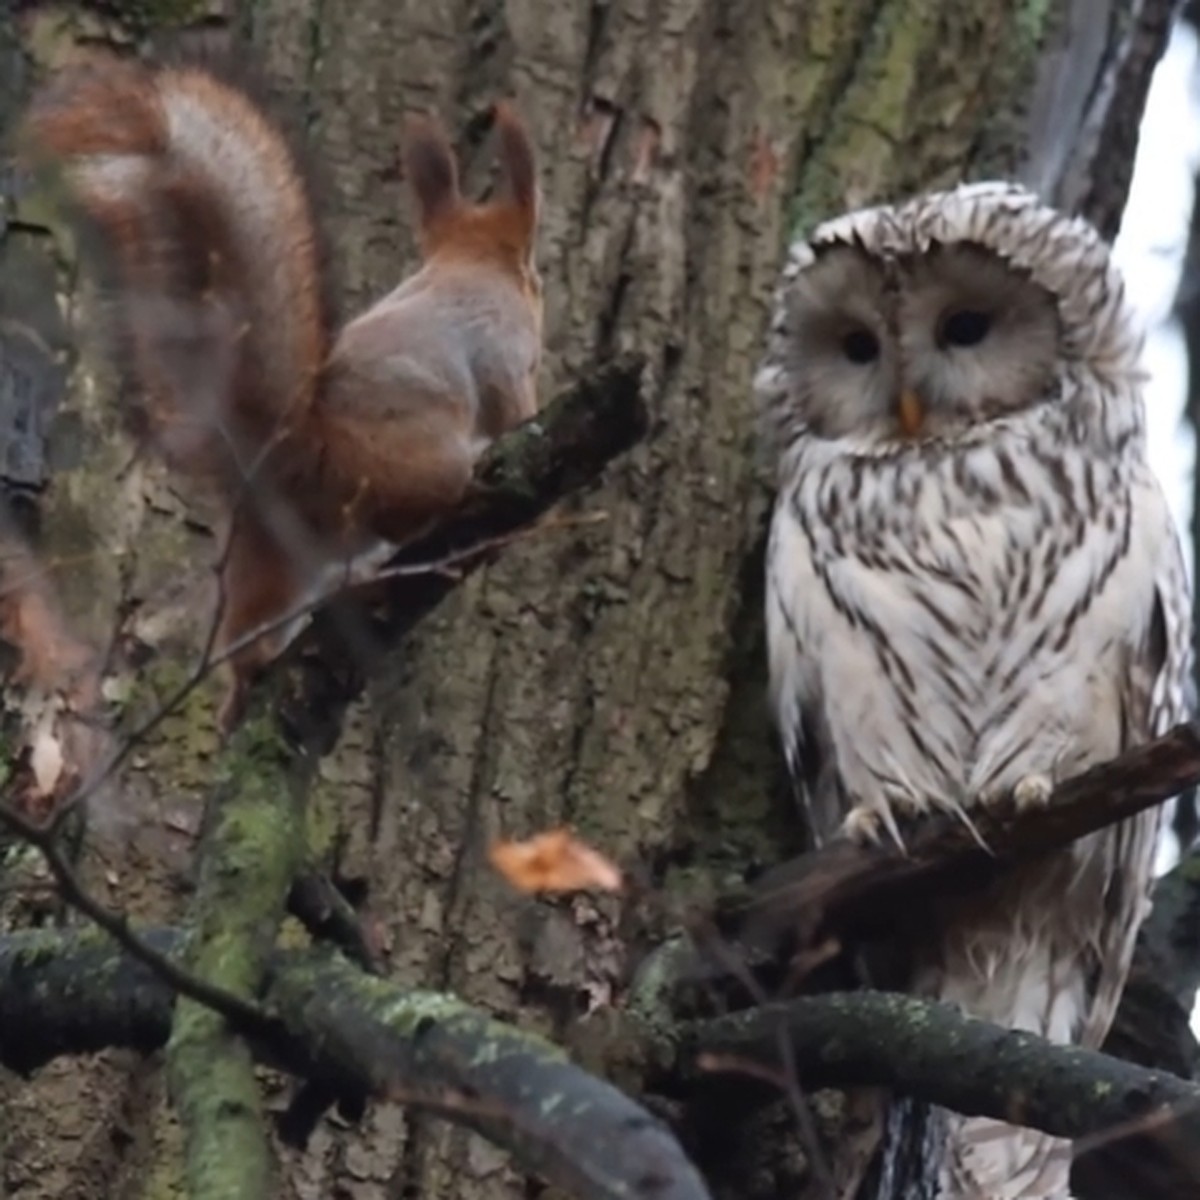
pixel 974 589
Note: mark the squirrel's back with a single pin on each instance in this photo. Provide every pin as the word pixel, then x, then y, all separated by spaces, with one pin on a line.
pixel 213 270
pixel 212 276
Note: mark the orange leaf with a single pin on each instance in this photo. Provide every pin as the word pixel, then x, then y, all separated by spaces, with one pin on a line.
pixel 554 862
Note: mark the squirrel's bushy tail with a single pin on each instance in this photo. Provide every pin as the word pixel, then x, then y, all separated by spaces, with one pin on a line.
pixel 208 249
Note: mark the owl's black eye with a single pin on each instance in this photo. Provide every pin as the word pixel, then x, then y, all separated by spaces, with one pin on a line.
pixel 965 327
pixel 860 346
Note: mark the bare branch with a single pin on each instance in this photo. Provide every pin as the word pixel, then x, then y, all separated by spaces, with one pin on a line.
pixel 316 903
pixel 845 889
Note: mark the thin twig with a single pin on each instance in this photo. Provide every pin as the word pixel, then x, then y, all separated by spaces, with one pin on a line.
pixel 710 940
pixel 239 1012
pixel 207 662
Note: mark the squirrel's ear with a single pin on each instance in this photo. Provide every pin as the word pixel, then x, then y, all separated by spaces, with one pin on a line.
pixel 430 169
pixel 518 163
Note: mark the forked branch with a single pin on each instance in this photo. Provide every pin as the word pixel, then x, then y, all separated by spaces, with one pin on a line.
pixel 72 992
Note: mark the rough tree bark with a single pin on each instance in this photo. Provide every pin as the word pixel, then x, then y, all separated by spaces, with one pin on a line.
pixel 606 675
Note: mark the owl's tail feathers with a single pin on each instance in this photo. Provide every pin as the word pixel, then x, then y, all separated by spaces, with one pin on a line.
pixel 985 1159
pixel 861 1134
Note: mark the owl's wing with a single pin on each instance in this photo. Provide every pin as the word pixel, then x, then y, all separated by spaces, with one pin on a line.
pixel 1157 688
pixel 794 592
pixel 1174 696
pixel 1167 654
pixel 1157 693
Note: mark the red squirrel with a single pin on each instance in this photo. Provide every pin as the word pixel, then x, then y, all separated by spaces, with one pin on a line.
pixel 320 446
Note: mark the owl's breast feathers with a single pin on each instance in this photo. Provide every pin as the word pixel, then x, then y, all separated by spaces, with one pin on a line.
pixel 947 619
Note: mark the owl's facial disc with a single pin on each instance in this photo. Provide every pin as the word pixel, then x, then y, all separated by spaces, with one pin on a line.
pixel 977 340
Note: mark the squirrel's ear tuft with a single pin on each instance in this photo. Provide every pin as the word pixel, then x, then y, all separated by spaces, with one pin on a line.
pixel 430 169
pixel 518 161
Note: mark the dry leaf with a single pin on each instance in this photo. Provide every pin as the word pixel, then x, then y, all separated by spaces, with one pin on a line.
pixel 554 862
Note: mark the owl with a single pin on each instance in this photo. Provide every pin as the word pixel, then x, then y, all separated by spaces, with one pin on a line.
pixel 974 589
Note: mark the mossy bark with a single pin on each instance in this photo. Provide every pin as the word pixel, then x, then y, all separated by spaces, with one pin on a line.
pixel 252 850
pixel 606 675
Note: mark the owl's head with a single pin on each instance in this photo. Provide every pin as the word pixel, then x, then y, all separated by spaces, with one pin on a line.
pixel 934 317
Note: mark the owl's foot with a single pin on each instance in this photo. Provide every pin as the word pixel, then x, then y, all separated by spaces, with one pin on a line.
pixel 1032 791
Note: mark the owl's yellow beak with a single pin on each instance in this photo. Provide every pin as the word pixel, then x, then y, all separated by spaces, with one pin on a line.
pixel 910 412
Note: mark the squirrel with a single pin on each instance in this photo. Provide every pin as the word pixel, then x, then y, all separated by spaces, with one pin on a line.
pixel 321 447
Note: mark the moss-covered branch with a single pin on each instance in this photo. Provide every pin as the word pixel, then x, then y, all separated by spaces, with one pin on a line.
pixel 66 993
pixel 524 474
pixel 935 1053
pixel 250 853
pixel 357 1035
pixel 1153 1028
pixel 514 1088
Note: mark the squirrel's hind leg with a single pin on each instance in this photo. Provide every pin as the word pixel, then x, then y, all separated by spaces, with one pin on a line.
pixel 261 582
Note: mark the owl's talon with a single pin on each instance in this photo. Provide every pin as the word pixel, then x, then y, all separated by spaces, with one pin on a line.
pixel 866 826
pixel 863 826
pixel 1032 791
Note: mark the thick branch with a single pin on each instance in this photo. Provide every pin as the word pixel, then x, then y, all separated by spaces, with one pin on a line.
pixel 514 1088
pixel 75 992
pixel 847 889
pixel 933 1052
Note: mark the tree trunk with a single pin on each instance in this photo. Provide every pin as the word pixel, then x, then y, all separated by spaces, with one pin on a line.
pixel 604 674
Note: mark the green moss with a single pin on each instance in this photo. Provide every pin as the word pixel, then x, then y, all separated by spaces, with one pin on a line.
pixel 251 851
pixel 44 945
pixel 165 1180
pixel 1030 21
pixel 408 1013
pixel 1188 868
pixel 870 119
pixel 185 742
pixel 322 820
pixel 404 1013
pixel 904 115
pixel 215 1089
pixel 651 995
